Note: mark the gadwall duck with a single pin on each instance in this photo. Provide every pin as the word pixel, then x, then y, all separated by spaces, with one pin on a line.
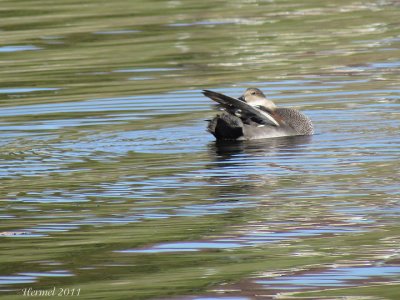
pixel 253 116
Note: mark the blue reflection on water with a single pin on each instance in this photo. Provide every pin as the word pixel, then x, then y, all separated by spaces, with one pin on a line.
pixel 25 90
pixel 342 276
pixel 18 48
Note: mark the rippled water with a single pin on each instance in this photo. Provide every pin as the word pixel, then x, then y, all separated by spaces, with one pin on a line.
pixel 111 185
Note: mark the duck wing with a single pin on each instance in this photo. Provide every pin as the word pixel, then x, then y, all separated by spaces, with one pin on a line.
pixel 250 112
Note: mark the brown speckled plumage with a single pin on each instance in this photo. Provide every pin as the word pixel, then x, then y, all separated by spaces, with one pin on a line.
pixel 296 120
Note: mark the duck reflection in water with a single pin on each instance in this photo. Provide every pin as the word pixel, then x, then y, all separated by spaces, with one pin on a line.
pixel 255 168
pixel 265 147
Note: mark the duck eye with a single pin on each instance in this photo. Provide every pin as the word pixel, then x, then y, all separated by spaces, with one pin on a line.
pixel 253 93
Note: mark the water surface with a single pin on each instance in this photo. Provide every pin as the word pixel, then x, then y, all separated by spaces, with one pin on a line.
pixel 111 185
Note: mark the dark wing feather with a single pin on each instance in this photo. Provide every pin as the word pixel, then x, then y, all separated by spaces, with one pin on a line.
pixel 260 116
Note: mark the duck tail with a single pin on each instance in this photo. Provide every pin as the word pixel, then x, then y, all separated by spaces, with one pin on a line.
pixel 226 127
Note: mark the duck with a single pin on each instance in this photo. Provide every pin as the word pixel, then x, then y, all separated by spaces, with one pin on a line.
pixel 254 116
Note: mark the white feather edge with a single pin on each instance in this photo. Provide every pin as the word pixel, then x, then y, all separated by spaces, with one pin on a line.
pixel 268 116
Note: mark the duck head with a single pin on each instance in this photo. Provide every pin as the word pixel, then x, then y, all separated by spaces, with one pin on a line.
pixel 256 97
